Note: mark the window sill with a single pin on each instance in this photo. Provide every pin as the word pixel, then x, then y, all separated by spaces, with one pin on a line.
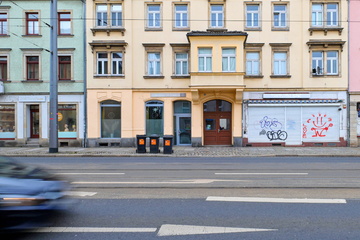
pixel 324 76
pixel 108 30
pixel 32 81
pixel 153 77
pixel 180 76
pixel 178 29
pixel 253 29
pixel 253 76
pixel 4 35
pixel 65 81
pixel 325 29
pixel 5 81
pixel 153 29
pixel 109 76
pixel 280 29
pixel 66 35
pixel 32 35
pixel 280 76
pixel 216 29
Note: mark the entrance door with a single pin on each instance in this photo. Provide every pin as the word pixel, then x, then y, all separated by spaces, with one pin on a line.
pixel 183 129
pixel 217 123
pixel 34 121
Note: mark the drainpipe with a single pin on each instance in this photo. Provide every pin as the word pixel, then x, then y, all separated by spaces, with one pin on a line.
pixel 84 74
pixel 348 105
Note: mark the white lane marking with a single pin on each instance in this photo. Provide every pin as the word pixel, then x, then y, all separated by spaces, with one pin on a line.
pixel 88 229
pixel 274 200
pixel 80 194
pixel 195 181
pixel 261 173
pixel 177 230
pixel 91 173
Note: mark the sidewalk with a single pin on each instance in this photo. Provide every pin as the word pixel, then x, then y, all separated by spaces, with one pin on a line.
pixel 185 152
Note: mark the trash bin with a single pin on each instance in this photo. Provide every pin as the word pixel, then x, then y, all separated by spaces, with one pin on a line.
pixel 168 144
pixel 141 143
pixel 154 144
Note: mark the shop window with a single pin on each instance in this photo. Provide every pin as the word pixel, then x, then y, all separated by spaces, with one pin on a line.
pixel 154 118
pixel 110 119
pixel 67 121
pixel 7 122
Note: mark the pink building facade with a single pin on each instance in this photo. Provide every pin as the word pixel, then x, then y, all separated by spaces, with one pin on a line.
pixel 354 72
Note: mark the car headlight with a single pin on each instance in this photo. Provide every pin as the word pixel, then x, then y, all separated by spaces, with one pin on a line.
pixel 14 202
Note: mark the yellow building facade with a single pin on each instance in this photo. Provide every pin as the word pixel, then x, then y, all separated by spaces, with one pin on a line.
pixel 234 73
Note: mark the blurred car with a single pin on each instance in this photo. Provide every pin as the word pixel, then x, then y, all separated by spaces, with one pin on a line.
pixel 29 196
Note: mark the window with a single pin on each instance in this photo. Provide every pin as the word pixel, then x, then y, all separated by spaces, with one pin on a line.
pixel 228 60
pixel 32 67
pixel 181 16
pixel 253 63
pixel 116 15
pixel 32 23
pixel 205 59
pixel 252 16
pixel 7 122
pixel 181 64
pixel 153 16
pixel 325 13
pixel 116 59
pixel 110 119
pixel 67 121
pixel 325 63
pixel 3 23
pixel 109 15
pixel 64 23
pixel 280 20
pixel 154 118
pixel 280 63
pixel 101 15
pixel 217 16
pixel 154 63
pixel 64 67
pixel 3 68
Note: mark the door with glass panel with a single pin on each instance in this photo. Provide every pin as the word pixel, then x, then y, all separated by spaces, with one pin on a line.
pixel 34 121
pixel 110 119
pixel 182 123
pixel 217 123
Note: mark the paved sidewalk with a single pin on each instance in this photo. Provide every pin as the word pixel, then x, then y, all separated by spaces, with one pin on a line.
pixel 185 152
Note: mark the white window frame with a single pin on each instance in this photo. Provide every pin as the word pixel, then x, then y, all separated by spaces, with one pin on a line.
pixel 217 16
pixel 108 63
pixel 278 62
pixel 181 16
pixel 281 21
pixel 317 63
pixel 331 14
pixel 254 63
pixel 118 18
pixel 229 57
pixel 4 24
pixel 104 64
pixel 327 63
pixel 153 17
pixel 330 62
pixel 325 17
pixel 117 71
pixel 182 62
pixel 205 57
pixel 102 21
pixel 253 14
pixel 153 63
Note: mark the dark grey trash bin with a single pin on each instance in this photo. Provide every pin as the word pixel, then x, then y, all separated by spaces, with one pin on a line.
pixel 141 143
pixel 168 144
pixel 154 144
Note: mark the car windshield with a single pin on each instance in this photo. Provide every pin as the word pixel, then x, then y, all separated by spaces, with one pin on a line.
pixel 10 168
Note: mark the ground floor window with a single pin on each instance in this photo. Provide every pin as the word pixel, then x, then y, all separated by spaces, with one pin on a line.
pixel 67 121
pixel 110 119
pixel 154 118
pixel 7 121
pixel 182 122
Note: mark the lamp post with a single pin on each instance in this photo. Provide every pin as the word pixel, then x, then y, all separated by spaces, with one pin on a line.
pixel 53 138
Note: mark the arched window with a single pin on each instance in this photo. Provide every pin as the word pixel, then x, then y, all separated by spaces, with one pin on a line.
pixel 110 119
pixel 154 118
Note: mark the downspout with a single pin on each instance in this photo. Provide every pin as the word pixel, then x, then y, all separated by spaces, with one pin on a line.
pixel 348 105
pixel 84 74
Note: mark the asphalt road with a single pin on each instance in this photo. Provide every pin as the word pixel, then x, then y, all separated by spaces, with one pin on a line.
pixel 217 198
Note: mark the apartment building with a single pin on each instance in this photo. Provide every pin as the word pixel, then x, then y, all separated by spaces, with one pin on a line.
pixel 25 72
pixel 239 73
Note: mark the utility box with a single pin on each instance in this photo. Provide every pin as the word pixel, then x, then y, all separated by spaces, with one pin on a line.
pixel 141 143
pixel 154 144
pixel 168 144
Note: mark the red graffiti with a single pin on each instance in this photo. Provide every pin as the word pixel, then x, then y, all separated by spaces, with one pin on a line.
pixel 304 131
pixel 321 124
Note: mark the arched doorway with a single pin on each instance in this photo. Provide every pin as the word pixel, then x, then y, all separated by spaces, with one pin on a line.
pixel 217 122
